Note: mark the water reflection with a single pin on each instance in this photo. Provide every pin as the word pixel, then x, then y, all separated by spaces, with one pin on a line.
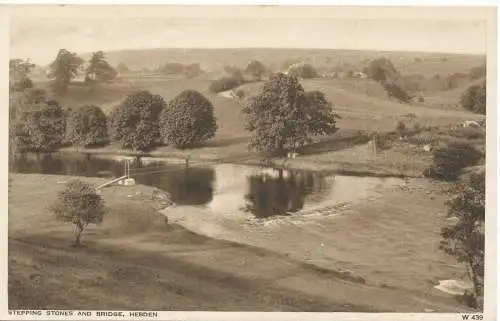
pixel 221 188
pixel 282 192
pixel 186 186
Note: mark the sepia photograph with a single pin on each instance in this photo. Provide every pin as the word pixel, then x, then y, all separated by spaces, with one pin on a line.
pixel 250 159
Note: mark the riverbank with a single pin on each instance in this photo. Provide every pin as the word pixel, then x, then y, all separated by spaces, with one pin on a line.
pixel 190 271
pixel 345 154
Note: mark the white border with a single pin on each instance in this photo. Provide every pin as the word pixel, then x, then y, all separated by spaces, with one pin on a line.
pixel 491 229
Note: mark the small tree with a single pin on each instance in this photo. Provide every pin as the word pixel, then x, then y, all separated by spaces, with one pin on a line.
pixel 193 70
pixel 474 99
pixel 465 239
pixel 401 128
pixel 122 68
pixel 81 205
pixel 305 71
pixel 99 69
pixel 381 70
pixel 87 126
pixel 187 119
pixel 135 122
pixel 256 69
pixel 63 69
pixel 284 116
pixel 449 161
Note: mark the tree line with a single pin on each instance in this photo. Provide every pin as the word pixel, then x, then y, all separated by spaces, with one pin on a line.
pixel 282 116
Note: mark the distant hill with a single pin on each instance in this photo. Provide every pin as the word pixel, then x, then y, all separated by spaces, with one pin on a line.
pixel 214 59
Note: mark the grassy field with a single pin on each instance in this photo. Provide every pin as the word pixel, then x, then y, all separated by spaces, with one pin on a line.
pixel 363 105
pixel 133 260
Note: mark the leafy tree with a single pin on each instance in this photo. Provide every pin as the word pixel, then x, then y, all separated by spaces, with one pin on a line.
pixel 235 74
pixel 284 116
pixel 122 68
pixel 474 99
pixel 256 69
pixel 188 119
pixel 135 122
pixel 172 68
pixel 99 69
pixel 19 72
pixel 80 204
pixel 381 70
pixel 449 161
pixel 193 70
pixel 41 129
pixel 464 240
pixel 305 71
pixel 87 126
pixel 63 69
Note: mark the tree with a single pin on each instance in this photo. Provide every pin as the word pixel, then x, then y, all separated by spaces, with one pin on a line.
pixel 19 104
pixel 193 70
pixel 305 71
pixel 63 69
pixel 172 68
pixel 87 126
pixel 19 71
pixel 381 70
pixel 284 116
pixel 80 204
pixel 223 84
pixel 256 69
pixel 41 129
pixel 122 68
pixel 188 119
pixel 465 239
pixel 474 99
pixel 135 122
pixel 99 69
pixel 449 161
pixel 235 74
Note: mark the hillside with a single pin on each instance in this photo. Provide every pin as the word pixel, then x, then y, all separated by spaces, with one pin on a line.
pixel 426 64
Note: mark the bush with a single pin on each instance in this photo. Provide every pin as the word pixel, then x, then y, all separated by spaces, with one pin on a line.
pixel 135 122
pixel 449 161
pixel 223 84
pixel 395 91
pixel 188 119
pixel 474 99
pixel 81 205
pixel 87 126
pixel 240 93
pixel 41 129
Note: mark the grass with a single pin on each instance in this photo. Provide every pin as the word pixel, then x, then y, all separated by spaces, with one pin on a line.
pixel 134 261
pixel 363 105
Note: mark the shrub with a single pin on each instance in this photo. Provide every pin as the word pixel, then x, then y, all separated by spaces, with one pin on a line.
pixel 80 204
pixel 135 122
pixel 449 161
pixel 240 93
pixel 87 126
pixel 395 91
pixel 474 99
pixel 188 119
pixel 41 129
pixel 465 239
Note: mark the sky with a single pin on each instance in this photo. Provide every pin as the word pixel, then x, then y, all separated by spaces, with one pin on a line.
pixel 39 38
